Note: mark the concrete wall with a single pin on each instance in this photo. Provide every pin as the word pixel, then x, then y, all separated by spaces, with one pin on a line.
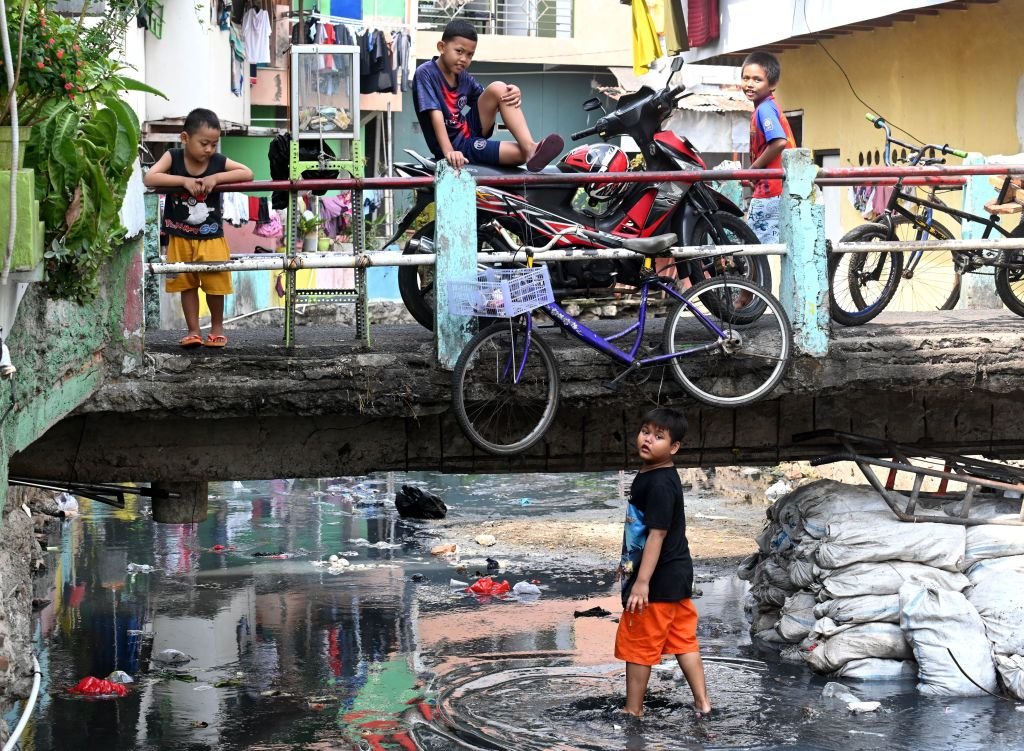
pixel 949 78
pixel 746 24
pixel 191 65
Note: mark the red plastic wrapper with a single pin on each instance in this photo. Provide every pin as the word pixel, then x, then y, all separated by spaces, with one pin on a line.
pixel 487 586
pixel 97 687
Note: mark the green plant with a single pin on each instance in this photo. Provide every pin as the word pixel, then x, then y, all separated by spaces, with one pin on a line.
pixel 308 223
pixel 85 137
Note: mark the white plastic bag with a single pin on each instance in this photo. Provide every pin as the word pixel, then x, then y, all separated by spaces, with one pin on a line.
pixel 885 579
pixel 861 609
pixel 796 617
pixel 998 596
pixel 858 540
pixel 993 541
pixel 882 640
pixel 876 669
pixel 1011 674
pixel 942 625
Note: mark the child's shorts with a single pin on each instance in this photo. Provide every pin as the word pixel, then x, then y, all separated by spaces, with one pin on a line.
pixel 186 249
pixel 661 628
pixel 478 148
pixel 763 218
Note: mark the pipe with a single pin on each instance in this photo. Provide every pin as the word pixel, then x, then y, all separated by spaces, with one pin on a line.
pixel 362 260
pixel 836 176
pixel 31 703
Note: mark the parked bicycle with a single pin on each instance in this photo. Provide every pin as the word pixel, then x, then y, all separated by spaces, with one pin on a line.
pixel 862 285
pixel 506 387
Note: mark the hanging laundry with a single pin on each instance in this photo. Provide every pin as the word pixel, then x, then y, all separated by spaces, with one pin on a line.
pixel 235 209
pixel 402 45
pixel 704 23
pixel 646 46
pixel 256 35
pixel 237 59
pixel 671 24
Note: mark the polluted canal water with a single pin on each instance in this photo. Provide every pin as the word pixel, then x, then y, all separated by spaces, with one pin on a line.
pixel 306 614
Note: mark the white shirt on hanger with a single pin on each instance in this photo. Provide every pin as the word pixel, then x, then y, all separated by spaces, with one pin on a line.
pixel 256 35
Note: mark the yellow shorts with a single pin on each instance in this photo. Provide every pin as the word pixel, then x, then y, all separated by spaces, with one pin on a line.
pixel 185 249
pixel 661 628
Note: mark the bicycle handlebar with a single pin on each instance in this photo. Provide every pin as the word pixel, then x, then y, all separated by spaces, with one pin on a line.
pixel 945 148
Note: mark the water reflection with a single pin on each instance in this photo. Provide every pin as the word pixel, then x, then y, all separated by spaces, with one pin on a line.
pixel 286 655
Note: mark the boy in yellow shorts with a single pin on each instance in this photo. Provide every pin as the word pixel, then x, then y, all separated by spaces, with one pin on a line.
pixel 192 220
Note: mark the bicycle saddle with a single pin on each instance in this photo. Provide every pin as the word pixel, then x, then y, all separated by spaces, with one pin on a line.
pixel 650 246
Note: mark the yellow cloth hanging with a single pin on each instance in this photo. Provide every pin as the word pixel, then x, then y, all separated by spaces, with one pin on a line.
pixel 646 46
pixel 675 28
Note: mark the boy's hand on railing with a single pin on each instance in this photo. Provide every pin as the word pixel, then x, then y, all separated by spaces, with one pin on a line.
pixel 457 159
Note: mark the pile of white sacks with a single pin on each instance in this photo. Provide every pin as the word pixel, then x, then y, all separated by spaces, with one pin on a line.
pixel 841 584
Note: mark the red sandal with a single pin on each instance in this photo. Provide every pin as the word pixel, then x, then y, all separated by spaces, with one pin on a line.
pixel 190 341
pixel 216 340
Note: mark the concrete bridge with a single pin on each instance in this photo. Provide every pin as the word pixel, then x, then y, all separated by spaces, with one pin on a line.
pixel 953 380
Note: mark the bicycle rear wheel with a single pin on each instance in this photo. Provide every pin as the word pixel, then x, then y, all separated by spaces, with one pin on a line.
pixel 746 363
pixel 929 280
pixel 860 285
pixel 1010 276
pixel 505 389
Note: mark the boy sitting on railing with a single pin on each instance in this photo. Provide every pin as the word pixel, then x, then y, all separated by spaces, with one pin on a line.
pixel 457 114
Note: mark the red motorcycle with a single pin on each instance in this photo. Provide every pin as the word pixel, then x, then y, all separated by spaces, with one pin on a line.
pixel 615 211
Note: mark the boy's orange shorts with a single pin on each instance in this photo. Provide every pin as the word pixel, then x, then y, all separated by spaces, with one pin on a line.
pixel 661 628
pixel 187 249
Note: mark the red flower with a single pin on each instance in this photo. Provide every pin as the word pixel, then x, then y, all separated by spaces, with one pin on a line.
pixel 40 65
pixel 69 86
pixel 60 54
pixel 76 48
pixel 51 42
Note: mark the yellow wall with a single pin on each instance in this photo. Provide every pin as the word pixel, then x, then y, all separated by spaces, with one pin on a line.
pixel 602 35
pixel 950 78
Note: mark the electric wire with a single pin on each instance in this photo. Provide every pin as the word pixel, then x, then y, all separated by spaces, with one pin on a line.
pixel 848 81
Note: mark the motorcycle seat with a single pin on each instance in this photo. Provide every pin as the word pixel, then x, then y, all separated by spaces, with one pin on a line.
pixel 650 246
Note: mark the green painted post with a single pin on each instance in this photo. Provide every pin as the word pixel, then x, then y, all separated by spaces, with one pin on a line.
pixel 977 291
pixel 804 285
pixel 455 254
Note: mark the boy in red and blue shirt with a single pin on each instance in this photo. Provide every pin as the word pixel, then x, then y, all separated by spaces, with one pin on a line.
pixel 770 135
pixel 457 114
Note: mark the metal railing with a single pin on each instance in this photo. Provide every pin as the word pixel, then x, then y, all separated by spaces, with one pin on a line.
pixel 521 18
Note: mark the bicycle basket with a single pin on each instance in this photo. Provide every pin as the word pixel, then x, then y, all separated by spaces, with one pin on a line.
pixel 501 293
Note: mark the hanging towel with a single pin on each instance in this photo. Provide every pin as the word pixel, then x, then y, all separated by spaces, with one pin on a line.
pixel 675 28
pixel 703 27
pixel 646 47
pixel 256 33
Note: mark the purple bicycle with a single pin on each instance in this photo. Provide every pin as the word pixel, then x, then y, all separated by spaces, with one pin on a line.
pixel 505 387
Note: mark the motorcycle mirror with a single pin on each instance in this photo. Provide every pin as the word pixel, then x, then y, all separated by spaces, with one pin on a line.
pixel 592 104
pixel 677 63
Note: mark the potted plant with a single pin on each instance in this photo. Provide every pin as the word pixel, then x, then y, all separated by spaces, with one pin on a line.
pixel 308 228
pixel 85 138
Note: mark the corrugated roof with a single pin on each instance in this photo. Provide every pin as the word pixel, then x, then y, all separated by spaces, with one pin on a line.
pixel 722 100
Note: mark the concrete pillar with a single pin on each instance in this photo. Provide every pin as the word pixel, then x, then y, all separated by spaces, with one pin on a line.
pixel 151 243
pixel 455 254
pixel 189 506
pixel 977 291
pixel 803 288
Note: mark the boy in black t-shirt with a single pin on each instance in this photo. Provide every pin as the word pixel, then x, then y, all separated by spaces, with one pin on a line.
pixel 656 569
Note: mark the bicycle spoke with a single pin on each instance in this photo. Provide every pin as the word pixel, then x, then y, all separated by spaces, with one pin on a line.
pixel 505 389
pixel 745 364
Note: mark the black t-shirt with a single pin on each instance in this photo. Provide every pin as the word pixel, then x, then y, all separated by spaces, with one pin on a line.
pixel 184 216
pixel 656 502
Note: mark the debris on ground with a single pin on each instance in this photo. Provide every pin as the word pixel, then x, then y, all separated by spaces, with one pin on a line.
pixel 140 568
pixel 119 676
pixel 485 540
pixel 526 589
pixel 97 688
pixel 415 503
pixel 446 548
pixel 172 657
pixel 595 612
pixel 488 586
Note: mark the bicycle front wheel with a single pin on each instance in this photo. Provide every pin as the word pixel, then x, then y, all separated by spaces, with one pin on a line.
pixel 860 285
pixel 745 362
pixel 930 279
pixel 505 389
